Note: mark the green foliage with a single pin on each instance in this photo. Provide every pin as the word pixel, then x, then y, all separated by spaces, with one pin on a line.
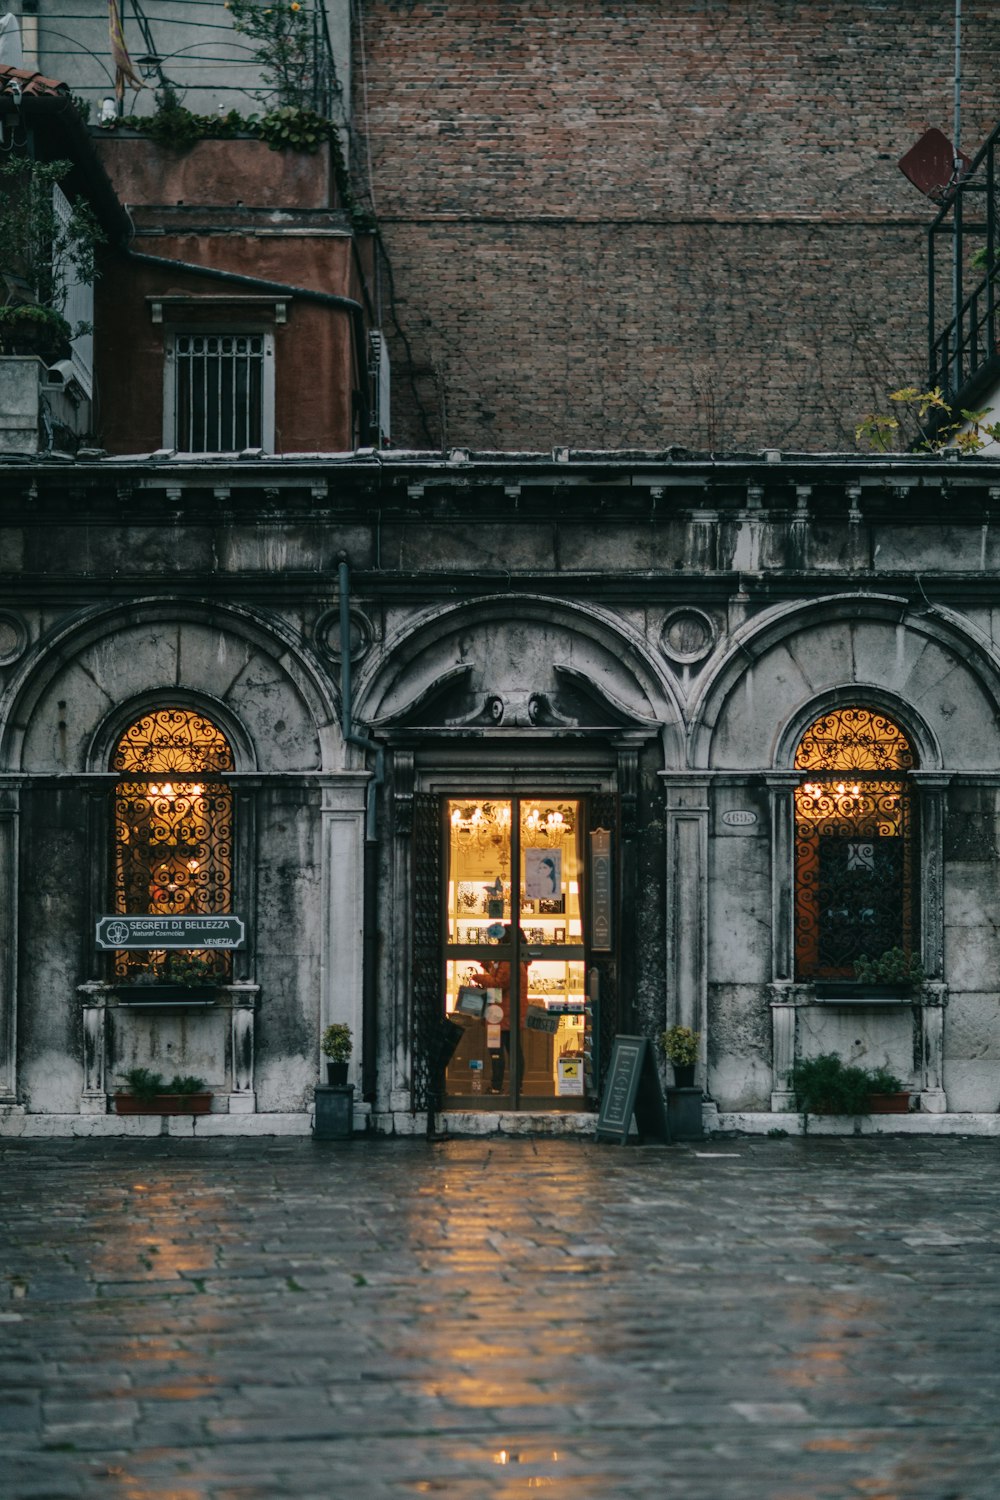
pixel 932 426
pixel 192 969
pixel 178 129
pixel 283 34
pixel 881 1081
pixel 29 321
pixel 679 1045
pixel 293 129
pixel 336 1042
pixel 187 967
pixel 826 1085
pixel 185 1083
pixel 980 259
pixel 39 254
pixel 894 966
pixel 146 1085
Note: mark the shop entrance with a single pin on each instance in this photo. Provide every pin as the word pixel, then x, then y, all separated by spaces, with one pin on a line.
pixel 515 954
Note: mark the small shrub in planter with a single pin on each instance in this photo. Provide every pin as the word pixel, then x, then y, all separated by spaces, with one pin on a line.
pixel 149 1093
pixel 826 1085
pixel 887 1095
pixel 679 1045
pixel 337 1046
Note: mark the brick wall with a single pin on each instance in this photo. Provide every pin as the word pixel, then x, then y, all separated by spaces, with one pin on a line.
pixel 641 222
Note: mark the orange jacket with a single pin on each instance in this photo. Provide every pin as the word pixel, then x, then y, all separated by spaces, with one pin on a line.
pixel 497 976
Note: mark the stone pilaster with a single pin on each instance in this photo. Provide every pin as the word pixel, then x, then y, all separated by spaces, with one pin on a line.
pixel 242 1097
pixel 686 817
pixel 342 917
pixel 933 1004
pixel 94 1097
pixel 9 801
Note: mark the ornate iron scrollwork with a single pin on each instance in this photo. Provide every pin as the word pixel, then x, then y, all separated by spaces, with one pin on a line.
pixel 855 844
pixel 173 835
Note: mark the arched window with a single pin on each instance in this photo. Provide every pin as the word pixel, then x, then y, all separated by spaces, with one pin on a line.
pixel 173 834
pixel 855 844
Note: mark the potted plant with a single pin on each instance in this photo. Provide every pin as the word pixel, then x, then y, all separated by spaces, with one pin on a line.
pixel 336 1045
pixel 679 1045
pixel 41 255
pixel 887 1096
pixel 826 1085
pixel 147 1093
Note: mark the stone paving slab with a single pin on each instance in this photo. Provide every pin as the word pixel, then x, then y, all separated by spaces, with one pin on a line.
pixel 481 1319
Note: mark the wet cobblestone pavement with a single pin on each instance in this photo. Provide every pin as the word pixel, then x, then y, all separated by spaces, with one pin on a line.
pixel 743 1320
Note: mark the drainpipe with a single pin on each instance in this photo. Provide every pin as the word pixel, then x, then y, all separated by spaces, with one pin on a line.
pixel 370 890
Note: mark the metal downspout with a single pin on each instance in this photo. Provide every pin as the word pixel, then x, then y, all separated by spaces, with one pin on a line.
pixel 364 742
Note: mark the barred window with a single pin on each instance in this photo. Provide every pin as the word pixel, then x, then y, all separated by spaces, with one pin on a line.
pixel 173 834
pixel 219 393
pixel 855 844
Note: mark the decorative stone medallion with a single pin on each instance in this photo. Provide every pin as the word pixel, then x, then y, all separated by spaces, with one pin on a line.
pixel 688 634
pixel 13 637
pixel 328 634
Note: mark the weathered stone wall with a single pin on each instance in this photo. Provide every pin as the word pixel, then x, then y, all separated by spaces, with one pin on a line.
pixel 629 223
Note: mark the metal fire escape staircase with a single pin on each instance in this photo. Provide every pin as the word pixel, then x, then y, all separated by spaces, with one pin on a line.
pixel 963 274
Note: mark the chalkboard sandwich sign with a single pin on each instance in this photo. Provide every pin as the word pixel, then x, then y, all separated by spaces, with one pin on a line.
pixel 632 1087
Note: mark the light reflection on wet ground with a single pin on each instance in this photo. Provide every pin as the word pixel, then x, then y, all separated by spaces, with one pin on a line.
pixel 792 1320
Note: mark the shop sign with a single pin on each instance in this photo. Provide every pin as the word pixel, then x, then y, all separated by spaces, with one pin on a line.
pixel 170 932
pixel 601 890
pixel 536 1018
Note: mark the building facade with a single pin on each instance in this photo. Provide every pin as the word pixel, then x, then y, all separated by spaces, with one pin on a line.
pixel 489 754
pixel 621 742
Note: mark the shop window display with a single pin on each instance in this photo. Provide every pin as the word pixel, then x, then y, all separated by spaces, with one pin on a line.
pixel 515 986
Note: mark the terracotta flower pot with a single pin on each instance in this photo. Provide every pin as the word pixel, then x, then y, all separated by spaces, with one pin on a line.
pixel 889 1104
pixel 164 1104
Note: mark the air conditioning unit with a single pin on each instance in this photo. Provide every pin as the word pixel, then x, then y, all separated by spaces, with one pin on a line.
pixel 378 354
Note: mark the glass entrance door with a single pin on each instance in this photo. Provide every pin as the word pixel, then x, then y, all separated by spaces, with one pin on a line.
pixel 514 952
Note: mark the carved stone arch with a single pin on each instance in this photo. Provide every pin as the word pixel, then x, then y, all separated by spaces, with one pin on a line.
pixel 927 665
pixel 246 661
pixel 520 663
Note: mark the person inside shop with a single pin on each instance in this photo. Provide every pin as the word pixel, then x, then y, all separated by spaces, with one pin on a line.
pixel 497 976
